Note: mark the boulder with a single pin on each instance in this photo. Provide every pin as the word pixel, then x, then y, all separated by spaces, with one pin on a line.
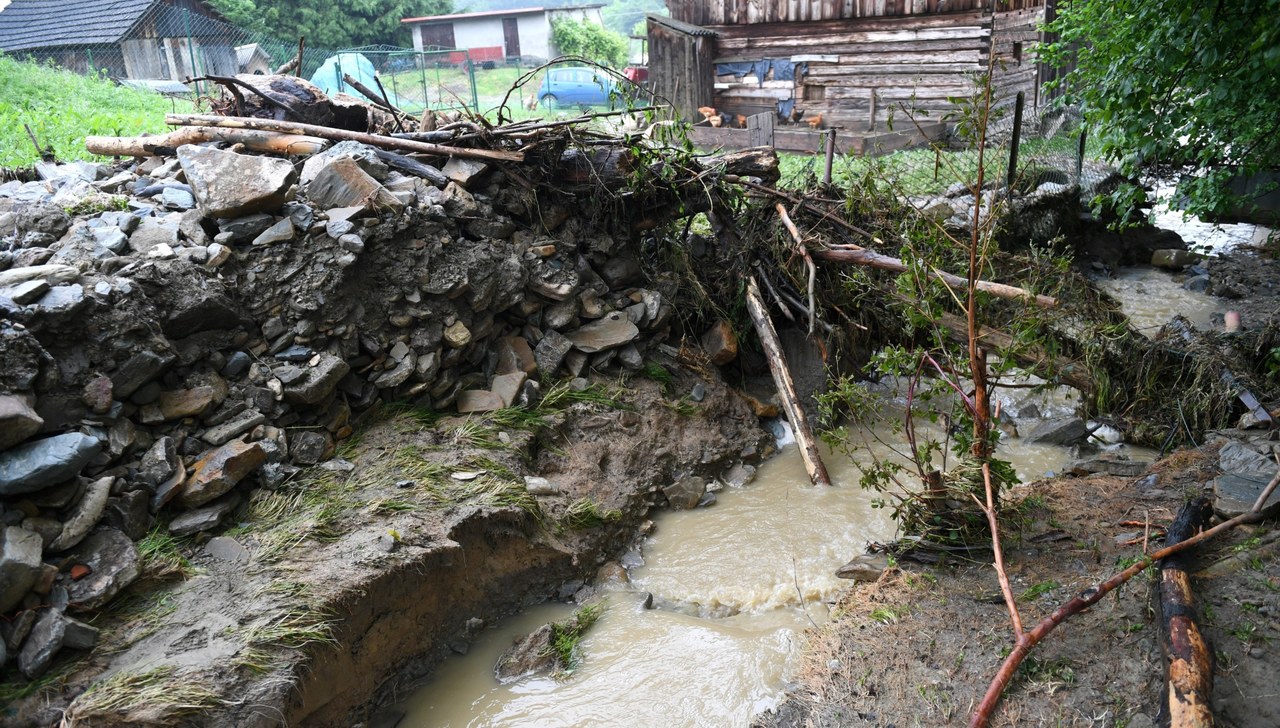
pixel 365 157
pixel 180 403
pixel 205 518
pixel 227 184
pixel 550 352
pixel 39 464
pixel 43 642
pixel 463 171
pixel 478 400
pixel 612 331
pixel 515 355
pixel 220 470
pixel 281 232
pixel 1234 495
pixel 1236 457
pixel 685 493
pixel 342 183
pixel 867 567
pixel 319 382
pixel 85 515
pixel 113 563
pixel 720 343
pixel 137 371
pixel 19 564
pixel 1058 431
pixel 152 233
pixel 532 653
pixel 18 420
pixel 507 387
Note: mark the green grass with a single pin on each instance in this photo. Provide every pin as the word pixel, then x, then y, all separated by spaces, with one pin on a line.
pixel 1038 590
pixel 63 107
pixel 585 513
pixel 162 691
pixel 567 635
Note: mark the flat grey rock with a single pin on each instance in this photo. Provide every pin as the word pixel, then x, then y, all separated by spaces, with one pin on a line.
pixel 1235 494
pixel 38 464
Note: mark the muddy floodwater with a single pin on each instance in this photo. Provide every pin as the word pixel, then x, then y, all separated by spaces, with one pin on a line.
pixel 733 586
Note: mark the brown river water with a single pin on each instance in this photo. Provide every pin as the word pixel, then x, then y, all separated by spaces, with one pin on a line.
pixel 734 585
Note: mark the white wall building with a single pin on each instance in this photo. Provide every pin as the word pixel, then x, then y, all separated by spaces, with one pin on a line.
pixel 497 34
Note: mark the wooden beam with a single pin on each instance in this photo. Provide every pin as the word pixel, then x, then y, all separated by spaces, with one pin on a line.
pixel 813 464
pixel 324 132
pixel 162 144
pixel 872 259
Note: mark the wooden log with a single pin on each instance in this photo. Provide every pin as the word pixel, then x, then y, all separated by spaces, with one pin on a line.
pixel 409 165
pixel 324 132
pixel 813 464
pixel 165 144
pixel 1189 671
pixel 872 259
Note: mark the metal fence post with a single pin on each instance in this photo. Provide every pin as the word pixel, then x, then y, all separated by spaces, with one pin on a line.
pixel 191 50
pixel 475 92
pixel 1080 154
pixel 1017 137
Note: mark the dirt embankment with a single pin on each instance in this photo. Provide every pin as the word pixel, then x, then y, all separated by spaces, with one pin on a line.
pixel 920 646
pixel 225 388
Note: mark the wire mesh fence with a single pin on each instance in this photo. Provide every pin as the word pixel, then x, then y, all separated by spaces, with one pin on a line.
pixel 168 49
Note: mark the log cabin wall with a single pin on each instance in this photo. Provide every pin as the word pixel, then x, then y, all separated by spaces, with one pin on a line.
pixel 857 73
pixel 680 64
pixel 746 12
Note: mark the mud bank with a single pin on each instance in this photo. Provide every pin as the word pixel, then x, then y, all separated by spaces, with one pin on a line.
pixel 196 353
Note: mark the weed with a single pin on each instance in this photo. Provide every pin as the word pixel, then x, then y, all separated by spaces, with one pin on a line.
pixel 296 629
pixel 683 407
pixel 659 374
pixel 1038 590
pixel 567 635
pixel 1048 672
pixel 585 513
pixel 162 690
pixel 888 615
pixel 161 554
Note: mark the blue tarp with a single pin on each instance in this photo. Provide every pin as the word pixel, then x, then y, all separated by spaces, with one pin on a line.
pixel 329 76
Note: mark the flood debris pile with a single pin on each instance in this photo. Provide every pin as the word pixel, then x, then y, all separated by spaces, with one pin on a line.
pixel 183 328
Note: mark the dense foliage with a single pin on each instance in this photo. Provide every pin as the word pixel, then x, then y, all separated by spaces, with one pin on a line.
pixel 589 40
pixel 1181 82
pixel 331 23
pixel 63 107
pixel 626 16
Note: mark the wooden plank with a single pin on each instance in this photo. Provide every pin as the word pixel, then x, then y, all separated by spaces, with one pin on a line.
pixel 906 71
pixel 829 27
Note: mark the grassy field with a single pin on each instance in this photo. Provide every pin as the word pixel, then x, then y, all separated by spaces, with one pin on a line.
pixel 62 108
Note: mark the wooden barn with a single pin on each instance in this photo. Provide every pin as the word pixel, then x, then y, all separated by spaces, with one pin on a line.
pixel 142 40
pixel 851 64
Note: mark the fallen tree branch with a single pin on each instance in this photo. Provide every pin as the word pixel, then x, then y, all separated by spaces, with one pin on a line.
pixel 813 464
pixel 982 714
pixel 231 82
pixel 808 260
pixel 870 258
pixel 296 63
pixel 1188 670
pixel 164 144
pixel 324 132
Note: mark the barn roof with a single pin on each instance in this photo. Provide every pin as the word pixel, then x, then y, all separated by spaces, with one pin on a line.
pixel 27 24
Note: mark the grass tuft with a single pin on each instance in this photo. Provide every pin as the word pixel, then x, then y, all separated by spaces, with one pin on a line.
pixel 162 692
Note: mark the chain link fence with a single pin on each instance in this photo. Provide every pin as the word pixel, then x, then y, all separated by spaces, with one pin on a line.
pixel 164 47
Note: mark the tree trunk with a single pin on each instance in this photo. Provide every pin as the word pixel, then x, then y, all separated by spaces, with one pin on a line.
pixel 1189 668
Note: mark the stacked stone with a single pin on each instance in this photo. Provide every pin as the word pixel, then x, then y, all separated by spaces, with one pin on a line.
pixel 179 331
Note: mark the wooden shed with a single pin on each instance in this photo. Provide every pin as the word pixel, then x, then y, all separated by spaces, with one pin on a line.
pixel 852 63
pixel 151 40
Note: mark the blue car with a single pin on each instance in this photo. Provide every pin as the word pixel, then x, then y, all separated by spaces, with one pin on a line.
pixel 575 87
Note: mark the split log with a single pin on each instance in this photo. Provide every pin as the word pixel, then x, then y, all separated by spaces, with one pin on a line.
pixel 1188 667
pixel 376 140
pixel 165 144
pixel 758 162
pixel 870 258
pixel 786 387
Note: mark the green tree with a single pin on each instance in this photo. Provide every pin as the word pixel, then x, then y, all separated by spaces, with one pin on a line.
pixel 1183 82
pixel 332 24
pixel 590 40
pixel 624 16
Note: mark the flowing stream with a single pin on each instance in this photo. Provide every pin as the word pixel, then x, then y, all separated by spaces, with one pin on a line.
pixel 733 587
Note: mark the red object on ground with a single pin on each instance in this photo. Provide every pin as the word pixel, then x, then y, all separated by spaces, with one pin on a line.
pixel 80 571
pixel 636 74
